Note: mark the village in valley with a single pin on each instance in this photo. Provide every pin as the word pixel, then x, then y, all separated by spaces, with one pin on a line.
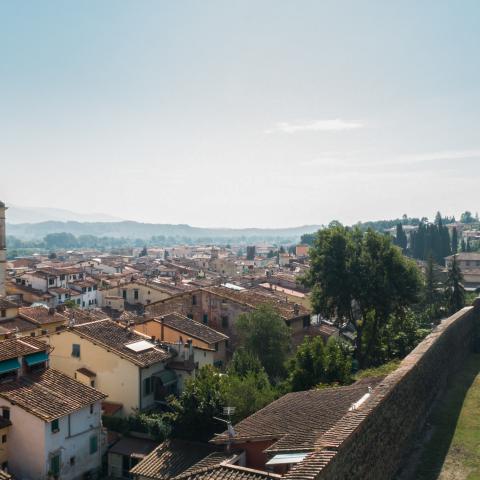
pixel 209 361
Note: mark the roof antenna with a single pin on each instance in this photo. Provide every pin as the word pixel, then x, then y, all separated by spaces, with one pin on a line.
pixel 231 432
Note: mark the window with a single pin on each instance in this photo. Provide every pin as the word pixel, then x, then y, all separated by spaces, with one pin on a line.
pixel 224 321
pixel 194 300
pixel 190 316
pixel 147 386
pixel 84 289
pixel 89 289
pixel 4 439
pixel 72 461
pixel 94 287
pixel 44 332
pixel 205 318
pixel 92 383
pixel 6 413
pixel 51 281
pixel 4 312
pixel 124 294
pixel 55 465
pixel 135 294
pixel 55 426
pixel 216 347
pixel 32 334
pixel 78 301
pixel 93 444
pixel 76 350
pixel 62 277
pixel 306 322
pixel 91 408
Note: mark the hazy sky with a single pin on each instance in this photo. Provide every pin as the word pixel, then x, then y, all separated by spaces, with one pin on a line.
pixel 241 113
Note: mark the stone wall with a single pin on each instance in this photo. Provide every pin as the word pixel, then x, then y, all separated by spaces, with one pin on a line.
pixel 372 441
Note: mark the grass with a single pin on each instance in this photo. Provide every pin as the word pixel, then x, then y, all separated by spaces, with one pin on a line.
pixel 452 451
pixel 380 371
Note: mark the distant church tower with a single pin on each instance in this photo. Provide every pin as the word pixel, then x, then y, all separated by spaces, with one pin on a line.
pixel 3 250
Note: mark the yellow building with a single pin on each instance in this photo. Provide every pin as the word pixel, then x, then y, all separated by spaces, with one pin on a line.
pixel 175 328
pixel 124 364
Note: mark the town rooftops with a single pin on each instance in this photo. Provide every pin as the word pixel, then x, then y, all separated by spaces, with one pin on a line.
pixel 259 296
pixel 5 304
pixel 226 471
pixel 192 328
pixel 296 421
pixel 41 315
pixel 123 341
pixel 465 256
pixel 19 347
pixel 172 458
pixel 49 394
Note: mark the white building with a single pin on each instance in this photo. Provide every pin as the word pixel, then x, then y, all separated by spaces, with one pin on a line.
pixel 55 427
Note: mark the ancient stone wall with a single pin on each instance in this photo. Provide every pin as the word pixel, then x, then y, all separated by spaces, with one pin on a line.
pixel 372 441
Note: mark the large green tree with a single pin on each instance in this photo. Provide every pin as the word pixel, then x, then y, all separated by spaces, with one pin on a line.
pixel 358 279
pixel 455 291
pixel 264 333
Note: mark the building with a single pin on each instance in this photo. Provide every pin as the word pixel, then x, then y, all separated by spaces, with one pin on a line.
pixel 123 363
pixel 55 421
pixel 28 321
pixel 469 264
pixel 219 307
pixel 284 432
pixel 3 250
pixel 175 328
pixel 302 250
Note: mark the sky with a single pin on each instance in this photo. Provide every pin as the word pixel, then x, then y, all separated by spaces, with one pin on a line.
pixel 241 113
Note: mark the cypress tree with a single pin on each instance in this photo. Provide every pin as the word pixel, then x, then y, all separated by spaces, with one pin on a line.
pixel 454 240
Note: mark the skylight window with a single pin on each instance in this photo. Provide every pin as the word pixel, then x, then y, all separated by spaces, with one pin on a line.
pixel 140 346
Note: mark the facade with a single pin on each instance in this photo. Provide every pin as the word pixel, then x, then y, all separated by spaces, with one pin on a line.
pixel 219 308
pixel 124 364
pixel 55 421
pixel 176 328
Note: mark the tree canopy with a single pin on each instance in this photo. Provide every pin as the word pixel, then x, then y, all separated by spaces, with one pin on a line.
pixel 360 279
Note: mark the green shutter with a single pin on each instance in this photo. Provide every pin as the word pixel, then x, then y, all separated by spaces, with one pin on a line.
pixel 93 444
pixel 55 465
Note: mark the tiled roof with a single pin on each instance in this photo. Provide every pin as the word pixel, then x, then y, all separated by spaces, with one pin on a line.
pixel 84 316
pixel 115 337
pixel 192 328
pixel 170 459
pixel 130 446
pixel 49 394
pixel 17 324
pixel 41 315
pixel 4 304
pixel 296 420
pixel 225 471
pixel 5 476
pixel 259 296
pixel 18 347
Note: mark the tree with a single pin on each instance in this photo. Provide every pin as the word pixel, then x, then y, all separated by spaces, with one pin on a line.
pixel 202 399
pixel 308 367
pixel 401 238
pixel 247 393
pixel 144 252
pixel 263 333
pixel 467 217
pixel 429 282
pixel 244 362
pixel 455 291
pixel 358 279
pixel 454 240
pixel 339 361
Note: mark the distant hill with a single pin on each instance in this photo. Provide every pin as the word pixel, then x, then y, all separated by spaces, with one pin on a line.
pixel 137 230
pixel 17 214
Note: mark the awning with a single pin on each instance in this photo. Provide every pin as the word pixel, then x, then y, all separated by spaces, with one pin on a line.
pixel 35 358
pixel 286 458
pixel 168 377
pixel 9 365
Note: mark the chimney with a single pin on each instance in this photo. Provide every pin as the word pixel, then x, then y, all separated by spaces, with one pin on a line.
pixel 162 329
pixel 3 250
pixel 296 309
pixel 51 311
